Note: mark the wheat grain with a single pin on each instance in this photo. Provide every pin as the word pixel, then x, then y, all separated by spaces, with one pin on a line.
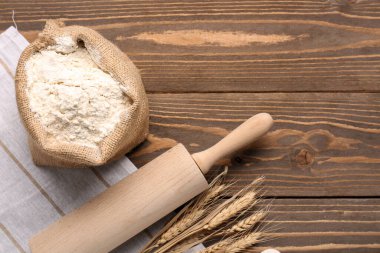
pixel 213 193
pixel 180 226
pixel 232 210
pixel 243 243
pixel 246 223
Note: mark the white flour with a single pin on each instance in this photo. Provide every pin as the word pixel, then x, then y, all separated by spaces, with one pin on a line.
pixel 71 96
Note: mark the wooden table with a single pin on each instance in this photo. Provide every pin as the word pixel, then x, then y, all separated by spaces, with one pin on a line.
pixel 208 65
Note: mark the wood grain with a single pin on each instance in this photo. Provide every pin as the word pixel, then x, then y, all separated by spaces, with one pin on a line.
pixel 324 225
pixel 320 144
pixel 226 46
pixel 324 147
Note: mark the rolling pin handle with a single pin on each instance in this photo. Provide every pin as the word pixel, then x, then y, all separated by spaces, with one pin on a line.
pixel 243 135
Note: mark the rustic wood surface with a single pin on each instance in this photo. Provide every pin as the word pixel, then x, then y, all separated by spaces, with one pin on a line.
pixel 320 145
pixel 196 46
pixel 208 65
pixel 325 225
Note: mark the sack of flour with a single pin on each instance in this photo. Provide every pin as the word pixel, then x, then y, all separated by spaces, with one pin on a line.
pixel 80 98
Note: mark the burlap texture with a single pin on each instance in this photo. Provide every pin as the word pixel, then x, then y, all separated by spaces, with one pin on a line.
pixel 128 133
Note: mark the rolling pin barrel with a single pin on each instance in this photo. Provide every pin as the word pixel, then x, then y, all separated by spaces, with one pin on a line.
pixel 126 208
pixel 142 198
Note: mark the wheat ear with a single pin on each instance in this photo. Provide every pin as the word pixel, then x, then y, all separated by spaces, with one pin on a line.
pixel 243 243
pixel 217 247
pixel 232 210
pixel 180 226
pixel 246 223
pixel 191 217
pixel 213 194
pixel 222 213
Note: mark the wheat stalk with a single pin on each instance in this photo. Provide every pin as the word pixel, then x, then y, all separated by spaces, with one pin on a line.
pixel 185 245
pixel 206 218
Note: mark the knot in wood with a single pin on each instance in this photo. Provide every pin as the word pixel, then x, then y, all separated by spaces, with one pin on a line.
pixel 303 157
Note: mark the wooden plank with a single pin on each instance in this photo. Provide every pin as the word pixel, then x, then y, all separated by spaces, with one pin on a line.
pixel 324 225
pixel 223 46
pixel 320 145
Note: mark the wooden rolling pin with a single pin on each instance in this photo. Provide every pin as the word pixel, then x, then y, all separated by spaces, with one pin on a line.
pixel 144 197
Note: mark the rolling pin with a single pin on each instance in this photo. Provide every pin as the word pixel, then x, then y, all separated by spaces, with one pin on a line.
pixel 143 197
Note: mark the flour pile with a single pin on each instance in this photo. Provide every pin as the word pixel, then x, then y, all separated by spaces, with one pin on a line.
pixel 72 97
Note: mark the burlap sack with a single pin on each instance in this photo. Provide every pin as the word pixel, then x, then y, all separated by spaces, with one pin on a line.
pixel 129 132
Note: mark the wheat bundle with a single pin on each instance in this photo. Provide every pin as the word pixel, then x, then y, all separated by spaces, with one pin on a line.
pixel 226 224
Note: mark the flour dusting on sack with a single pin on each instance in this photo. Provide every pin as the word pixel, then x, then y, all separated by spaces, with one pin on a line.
pixel 73 98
